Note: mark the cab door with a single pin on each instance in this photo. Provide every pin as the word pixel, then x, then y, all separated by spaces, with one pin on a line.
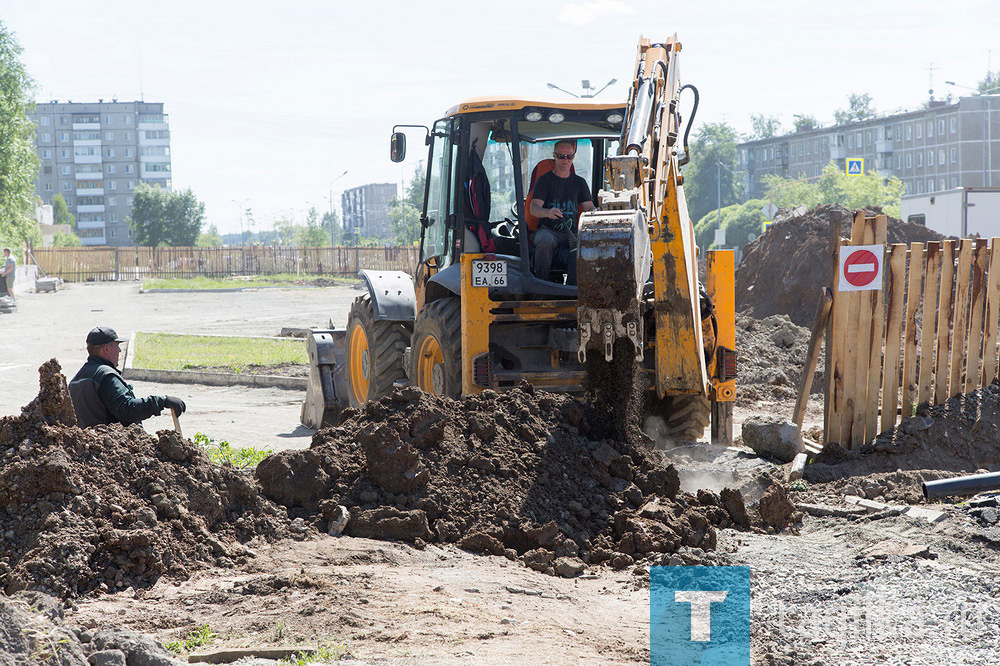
pixel 438 217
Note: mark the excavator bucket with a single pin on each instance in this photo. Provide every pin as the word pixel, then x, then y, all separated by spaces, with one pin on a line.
pixel 326 394
pixel 613 266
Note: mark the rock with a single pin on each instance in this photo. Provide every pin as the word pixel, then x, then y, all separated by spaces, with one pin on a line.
pixel 538 559
pixel 480 542
pixel 772 437
pixel 139 650
pixel 337 520
pixel 798 466
pixel 569 567
pixel 107 658
pixel 732 502
pixel 775 508
pixel 31 622
pixel 390 523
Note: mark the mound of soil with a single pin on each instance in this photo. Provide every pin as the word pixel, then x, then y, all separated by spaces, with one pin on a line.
pixel 510 473
pixel 771 354
pixel 961 436
pixel 108 508
pixel 784 269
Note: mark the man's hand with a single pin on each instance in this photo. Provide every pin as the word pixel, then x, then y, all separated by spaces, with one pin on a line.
pixel 174 403
pixel 553 213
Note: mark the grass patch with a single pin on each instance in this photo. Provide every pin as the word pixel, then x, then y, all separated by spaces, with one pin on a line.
pixel 223 453
pixel 196 638
pixel 169 351
pixel 327 652
pixel 239 281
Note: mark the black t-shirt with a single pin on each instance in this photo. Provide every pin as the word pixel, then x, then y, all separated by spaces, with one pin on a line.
pixel 566 194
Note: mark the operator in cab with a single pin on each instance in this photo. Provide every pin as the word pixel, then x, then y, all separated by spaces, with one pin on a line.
pixel 558 199
pixel 99 393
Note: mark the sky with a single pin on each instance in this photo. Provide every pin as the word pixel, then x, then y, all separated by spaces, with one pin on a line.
pixel 271 103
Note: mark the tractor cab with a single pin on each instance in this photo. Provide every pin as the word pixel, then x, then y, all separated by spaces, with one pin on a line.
pixel 483 160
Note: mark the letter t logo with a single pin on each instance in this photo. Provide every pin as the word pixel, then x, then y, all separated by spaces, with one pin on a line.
pixel 701 610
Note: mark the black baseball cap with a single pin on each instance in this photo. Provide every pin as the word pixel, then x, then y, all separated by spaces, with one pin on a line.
pixel 102 335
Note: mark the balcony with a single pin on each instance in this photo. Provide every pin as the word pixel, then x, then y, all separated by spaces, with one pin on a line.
pixel 90 192
pixel 86 142
pixel 94 240
pixel 838 152
pixel 90 208
pixel 89 175
pixel 883 146
pixel 92 224
pixel 87 159
pixel 86 126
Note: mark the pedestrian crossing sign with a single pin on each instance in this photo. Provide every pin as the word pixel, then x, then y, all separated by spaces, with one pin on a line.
pixel 856 166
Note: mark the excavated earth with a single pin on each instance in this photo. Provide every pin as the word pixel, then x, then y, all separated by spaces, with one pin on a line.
pixel 771 353
pixel 511 473
pixel 109 508
pixel 783 271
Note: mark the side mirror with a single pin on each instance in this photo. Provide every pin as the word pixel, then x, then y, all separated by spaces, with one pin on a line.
pixel 397 147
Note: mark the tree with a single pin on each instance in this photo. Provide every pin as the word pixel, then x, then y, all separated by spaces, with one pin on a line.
pixel 859 107
pixel 405 213
pixel 331 222
pixel 764 127
pixel 60 212
pixel 18 160
pixel 160 217
pixel 990 85
pixel 804 122
pixel 741 222
pixel 312 234
pixel 871 190
pixel 210 238
pixel 713 144
pixel 285 231
pixel 66 240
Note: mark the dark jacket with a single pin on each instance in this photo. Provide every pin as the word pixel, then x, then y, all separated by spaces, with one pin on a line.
pixel 100 395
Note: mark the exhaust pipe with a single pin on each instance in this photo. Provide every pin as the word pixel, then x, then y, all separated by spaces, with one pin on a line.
pixel 962 485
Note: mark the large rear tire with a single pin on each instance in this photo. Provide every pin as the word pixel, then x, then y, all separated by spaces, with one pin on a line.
pixel 678 418
pixel 436 348
pixel 374 353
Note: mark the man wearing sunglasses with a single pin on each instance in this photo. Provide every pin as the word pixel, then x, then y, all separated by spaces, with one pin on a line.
pixel 559 197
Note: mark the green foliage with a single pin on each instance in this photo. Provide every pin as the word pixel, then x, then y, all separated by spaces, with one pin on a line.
pixel 859 107
pixel 198 637
pixel 990 85
pixel 714 143
pixel 804 122
pixel 834 186
pixel 327 652
pixel 66 240
pixel 60 212
pixel 18 159
pixel 223 453
pixel 742 223
pixel 331 222
pixel 405 213
pixel 313 234
pixel 799 485
pixel 160 217
pixel 764 127
pixel 210 238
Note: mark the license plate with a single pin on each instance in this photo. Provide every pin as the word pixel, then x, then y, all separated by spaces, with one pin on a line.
pixel 489 273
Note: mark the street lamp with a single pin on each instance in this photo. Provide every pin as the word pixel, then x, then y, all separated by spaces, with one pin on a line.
pixel 977 90
pixel 587 88
pixel 242 205
pixel 331 189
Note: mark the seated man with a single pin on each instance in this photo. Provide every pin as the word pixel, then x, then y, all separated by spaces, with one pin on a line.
pixel 558 198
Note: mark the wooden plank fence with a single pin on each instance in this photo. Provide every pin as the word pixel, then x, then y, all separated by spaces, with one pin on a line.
pixel 928 335
pixel 78 264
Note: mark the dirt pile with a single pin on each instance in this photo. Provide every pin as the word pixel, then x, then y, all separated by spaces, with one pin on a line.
pixel 783 271
pixel 510 473
pixel 958 437
pixel 107 508
pixel 771 354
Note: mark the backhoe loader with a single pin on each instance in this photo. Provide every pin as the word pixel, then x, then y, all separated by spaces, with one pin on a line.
pixel 476 314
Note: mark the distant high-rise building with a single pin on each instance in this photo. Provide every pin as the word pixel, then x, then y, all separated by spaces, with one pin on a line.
pixel 366 210
pixel 94 154
pixel 941 147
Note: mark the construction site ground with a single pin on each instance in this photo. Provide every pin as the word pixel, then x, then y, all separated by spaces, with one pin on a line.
pixel 832 585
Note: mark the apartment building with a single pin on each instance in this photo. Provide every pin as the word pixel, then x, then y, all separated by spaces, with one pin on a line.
pixel 366 210
pixel 94 154
pixel 941 147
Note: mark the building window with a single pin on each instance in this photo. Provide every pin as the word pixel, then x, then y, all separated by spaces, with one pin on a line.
pixel 898 134
pixel 954 182
pixel 129 168
pixel 65 170
pixel 868 138
pixel 941 184
pixel 128 152
pixel 46 154
pixel 109 120
pixel 131 184
pixel 46 137
pixel 113 217
pixel 941 158
pixel 47 170
pixel 129 201
pixel 112 233
pixel 920 160
pixel 920 131
pixel 954 155
pixel 898 164
pixel 112 185
pixel 64 153
pixel 909 160
pixel 86 136
pixel 930 158
pixel 110 152
pixel 930 130
pixel 930 184
pixel 109 136
pixel 920 187
pixel 127 136
pixel 801 148
pixel 953 124
pixel 112 201
pixel 128 120
pixel 850 141
pixel 67 186
pixel 941 130
pixel 111 168
pixel 48 187
pixel 64 136
pixel 909 132
pixel 45 120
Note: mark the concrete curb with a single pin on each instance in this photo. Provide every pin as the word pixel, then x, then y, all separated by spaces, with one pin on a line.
pixel 226 290
pixel 208 378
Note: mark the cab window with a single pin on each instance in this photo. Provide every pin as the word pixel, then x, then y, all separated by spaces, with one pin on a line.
pixel 439 200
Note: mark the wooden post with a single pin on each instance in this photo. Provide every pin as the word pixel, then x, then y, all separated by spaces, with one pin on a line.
pixel 893 327
pixel 929 318
pixel 812 356
pixel 913 294
pixel 828 402
pixel 941 374
pixel 960 327
pixel 991 323
pixel 850 346
pixel 973 356
pixel 876 299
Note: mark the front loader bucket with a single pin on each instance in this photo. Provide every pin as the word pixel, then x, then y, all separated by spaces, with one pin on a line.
pixel 326 394
pixel 612 269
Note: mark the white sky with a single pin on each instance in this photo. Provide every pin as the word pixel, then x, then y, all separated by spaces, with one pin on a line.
pixel 271 101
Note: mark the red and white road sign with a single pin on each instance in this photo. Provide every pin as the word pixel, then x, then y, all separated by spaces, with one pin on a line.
pixel 861 267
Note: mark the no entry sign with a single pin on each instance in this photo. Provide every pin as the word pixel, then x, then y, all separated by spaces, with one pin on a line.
pixel 861 267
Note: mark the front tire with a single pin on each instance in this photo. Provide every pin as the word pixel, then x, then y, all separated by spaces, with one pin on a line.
pixel 374 353
pixel 436 348
pixel 681 418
